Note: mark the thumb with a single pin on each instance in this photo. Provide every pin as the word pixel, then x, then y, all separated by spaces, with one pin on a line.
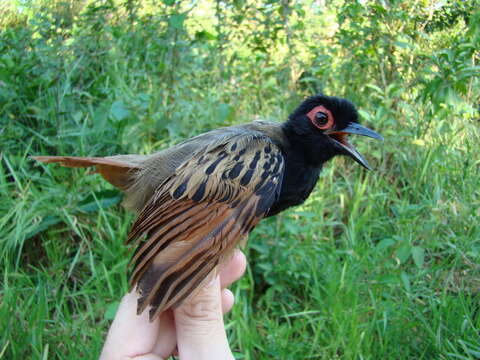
pixel 199 325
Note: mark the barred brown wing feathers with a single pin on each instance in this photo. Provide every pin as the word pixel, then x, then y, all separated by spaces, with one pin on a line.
pixel 198 215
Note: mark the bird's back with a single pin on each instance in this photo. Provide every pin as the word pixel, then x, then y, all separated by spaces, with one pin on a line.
pixel 157 167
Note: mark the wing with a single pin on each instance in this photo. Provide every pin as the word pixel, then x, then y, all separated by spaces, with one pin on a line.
pixel 198 215
pixel 139 176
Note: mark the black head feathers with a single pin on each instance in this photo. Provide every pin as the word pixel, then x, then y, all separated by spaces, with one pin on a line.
pixel 343 111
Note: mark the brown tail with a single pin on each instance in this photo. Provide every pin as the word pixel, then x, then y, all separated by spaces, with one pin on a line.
pixel 117 170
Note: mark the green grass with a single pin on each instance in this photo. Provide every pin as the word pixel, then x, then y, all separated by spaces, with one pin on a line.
pixel 376 265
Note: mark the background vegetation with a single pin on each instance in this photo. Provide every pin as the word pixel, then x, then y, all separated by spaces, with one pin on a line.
pixel 376 265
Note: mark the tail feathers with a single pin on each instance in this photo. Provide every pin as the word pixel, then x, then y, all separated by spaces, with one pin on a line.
pixel 117 170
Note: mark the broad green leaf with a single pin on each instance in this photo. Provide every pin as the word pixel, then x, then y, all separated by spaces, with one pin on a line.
pixel 406 281
pixel 101 199
pixel 404 252
pixel 46 222
pixel 385 243
pixel 176 21
pixel 418 255
pixel 119 111
pixel 204 36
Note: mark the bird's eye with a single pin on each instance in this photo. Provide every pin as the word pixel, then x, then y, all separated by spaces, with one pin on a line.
pixel 321 118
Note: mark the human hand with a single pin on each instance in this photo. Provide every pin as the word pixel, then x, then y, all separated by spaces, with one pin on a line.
pixel 196 327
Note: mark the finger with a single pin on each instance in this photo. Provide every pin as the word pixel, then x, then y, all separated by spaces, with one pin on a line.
pixel 167 337
pixel 130 334
pixel 228 299
pixel 167 342
pixel 199 325
pixel 147 357
pixel 234 269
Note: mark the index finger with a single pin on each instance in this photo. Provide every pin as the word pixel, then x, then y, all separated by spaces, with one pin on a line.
pixel 234 269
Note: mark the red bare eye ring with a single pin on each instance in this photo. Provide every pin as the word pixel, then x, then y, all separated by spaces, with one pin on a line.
pixel 317 117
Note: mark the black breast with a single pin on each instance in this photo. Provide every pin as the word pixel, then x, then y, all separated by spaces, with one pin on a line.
pixel 298 182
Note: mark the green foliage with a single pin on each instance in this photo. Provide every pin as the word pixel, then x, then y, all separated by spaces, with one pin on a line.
pixel 379 265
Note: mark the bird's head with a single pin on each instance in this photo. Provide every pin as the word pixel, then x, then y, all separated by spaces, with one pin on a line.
pixel 321 125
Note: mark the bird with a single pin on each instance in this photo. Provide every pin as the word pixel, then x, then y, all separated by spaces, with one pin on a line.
pixel 198 200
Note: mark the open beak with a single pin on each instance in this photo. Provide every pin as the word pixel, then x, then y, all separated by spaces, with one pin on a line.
pixel 340 138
